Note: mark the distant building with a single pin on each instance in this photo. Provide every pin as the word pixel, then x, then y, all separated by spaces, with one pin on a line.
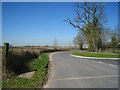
pixel 85 46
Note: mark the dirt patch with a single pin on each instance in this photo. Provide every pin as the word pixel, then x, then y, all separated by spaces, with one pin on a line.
pixel 27 75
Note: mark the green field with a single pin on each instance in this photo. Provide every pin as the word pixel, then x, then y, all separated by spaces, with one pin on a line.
pixel 38 79
pixel 88 54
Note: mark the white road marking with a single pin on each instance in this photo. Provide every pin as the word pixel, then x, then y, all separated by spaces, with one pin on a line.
pixel 100 62
pixel 93 60
pixel 104 76
pixel 94 57
pixel 97 61
pixel 112 65
pixel 104 63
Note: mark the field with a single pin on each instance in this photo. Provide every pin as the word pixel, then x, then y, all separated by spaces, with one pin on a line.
pixel 43 48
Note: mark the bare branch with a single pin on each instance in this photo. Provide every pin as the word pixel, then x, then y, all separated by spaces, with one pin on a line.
pixel 80 18
pixel 76 26
pixel 100 12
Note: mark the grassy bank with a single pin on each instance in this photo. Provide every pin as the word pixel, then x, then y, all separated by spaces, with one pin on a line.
pixel 37 80
pixel 99 55
pixel 18 60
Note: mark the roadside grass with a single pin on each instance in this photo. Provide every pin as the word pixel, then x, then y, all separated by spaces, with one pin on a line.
pixel 117 52
pixel 38 79
pixel 88 54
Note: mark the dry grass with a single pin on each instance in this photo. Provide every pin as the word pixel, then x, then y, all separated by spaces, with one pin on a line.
pixel 18 59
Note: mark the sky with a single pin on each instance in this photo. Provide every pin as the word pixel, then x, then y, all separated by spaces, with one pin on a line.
pixel 40 23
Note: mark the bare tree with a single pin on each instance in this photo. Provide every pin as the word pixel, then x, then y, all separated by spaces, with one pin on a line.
pixel 89 19
pixel 55 43
pixel 70 44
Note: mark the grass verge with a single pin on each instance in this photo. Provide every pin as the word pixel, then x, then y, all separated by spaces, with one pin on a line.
pixel 38 79
pixel 117 52
pixel 86 54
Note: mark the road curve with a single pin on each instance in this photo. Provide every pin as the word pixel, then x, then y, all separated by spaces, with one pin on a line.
pixel 72 72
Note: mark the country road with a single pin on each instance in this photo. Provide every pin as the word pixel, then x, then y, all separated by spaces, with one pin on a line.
pixel 72 72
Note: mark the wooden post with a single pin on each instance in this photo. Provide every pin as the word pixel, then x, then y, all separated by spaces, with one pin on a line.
pixel 6 51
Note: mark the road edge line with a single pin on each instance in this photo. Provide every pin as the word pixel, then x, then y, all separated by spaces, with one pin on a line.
pixel 93 57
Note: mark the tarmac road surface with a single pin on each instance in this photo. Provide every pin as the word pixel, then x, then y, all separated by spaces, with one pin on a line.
pixel 72 72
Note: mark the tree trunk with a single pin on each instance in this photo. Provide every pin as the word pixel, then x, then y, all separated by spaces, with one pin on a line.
pixel 81 46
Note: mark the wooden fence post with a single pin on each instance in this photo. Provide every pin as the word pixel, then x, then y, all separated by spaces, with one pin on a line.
pixel 6 51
